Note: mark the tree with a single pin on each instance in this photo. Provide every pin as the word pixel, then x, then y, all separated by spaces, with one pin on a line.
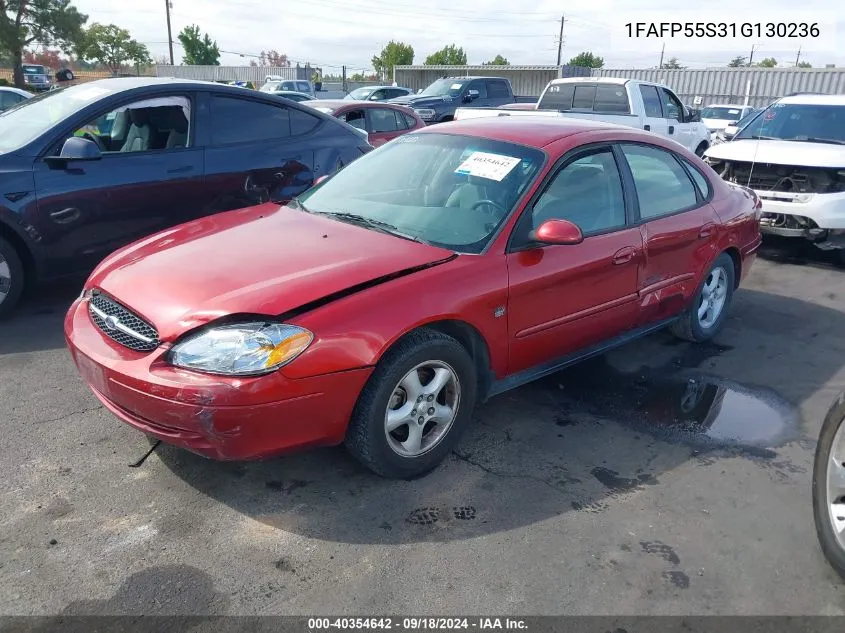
pixel 739 61
pixel 393 54
pixel 498 60
pixel 199 51
pixel 768 62
pixel 112 46
pixel 587 59
pixel 672 64
pixel 271 58
pixel 450 55
pixel 47 22
pixel 46 57
pixel 803 65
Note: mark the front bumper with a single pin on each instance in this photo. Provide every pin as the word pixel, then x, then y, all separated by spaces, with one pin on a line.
pixel 811 216
pixel 218 417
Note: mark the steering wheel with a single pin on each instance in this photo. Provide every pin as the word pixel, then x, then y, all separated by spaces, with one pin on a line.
pixel 492 206
pixel 96 139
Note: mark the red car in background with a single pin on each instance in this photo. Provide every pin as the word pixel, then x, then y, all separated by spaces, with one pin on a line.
pixel 383 122
pixel 378 308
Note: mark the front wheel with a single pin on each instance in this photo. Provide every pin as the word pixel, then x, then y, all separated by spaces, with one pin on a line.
pixel 414 407
pixel 829 486
pixel 11 277
pixel 702 147
pixel 706 315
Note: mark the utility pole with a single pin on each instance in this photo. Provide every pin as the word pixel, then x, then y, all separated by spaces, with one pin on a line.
pixel 751 56
pixel 560 41
pixel 662 50
pixel 169 36
pixel 798 57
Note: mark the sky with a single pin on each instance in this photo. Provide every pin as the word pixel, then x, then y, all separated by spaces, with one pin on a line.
pixel 333 33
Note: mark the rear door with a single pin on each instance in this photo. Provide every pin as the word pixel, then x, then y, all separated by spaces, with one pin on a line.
pixel 653 119
pixel 258 151
pixel 678 228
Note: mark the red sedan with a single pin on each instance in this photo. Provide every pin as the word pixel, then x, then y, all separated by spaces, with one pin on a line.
pixel 383 122
pixel 382 305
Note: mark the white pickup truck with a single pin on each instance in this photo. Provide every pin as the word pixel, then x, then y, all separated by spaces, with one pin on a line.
pixel 628 102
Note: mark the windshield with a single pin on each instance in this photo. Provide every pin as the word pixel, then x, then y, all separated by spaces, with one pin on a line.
pixel 360 94
pixel 33 70
pixel 270 86
pixel 445 88
pixel 37 115
pixel 798 122
pixel 448 190
pixel 721 112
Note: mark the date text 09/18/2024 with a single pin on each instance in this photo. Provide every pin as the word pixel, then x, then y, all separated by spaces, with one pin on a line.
pixel 417 624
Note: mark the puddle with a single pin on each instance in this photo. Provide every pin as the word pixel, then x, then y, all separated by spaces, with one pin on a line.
pixel 693 408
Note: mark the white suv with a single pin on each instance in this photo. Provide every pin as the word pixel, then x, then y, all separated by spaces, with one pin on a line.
pixel 793 156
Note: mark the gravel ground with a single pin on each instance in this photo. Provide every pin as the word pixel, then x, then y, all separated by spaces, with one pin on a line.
pixel 585 493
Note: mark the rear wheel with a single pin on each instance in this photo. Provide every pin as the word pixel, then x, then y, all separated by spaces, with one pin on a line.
pixel 829 486
pixel 706 315
pixel 699 151
pixel 11 277
pixel 414 407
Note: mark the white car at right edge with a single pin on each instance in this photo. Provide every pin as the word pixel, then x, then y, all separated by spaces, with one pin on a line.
pixel 793 156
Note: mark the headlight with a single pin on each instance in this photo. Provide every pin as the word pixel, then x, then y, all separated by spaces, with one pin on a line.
pixel 241 349
pixel 426 114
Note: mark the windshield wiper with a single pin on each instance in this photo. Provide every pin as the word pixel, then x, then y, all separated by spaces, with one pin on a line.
pixel 376 225
pixel 812 139
pixel 760 138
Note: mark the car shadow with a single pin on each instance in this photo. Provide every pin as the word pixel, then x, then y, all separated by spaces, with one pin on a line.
pixel 37 323
pixel 798 253
pixel 606 429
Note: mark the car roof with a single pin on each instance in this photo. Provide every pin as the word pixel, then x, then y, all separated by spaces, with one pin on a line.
pixel 381 87
pixel 17 91
pixel 726 105
pixel 352 103
pixel 593 80
pixel 814 99
pixel 535 131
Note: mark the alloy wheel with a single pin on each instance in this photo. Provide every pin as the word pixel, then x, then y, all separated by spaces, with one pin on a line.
pixel 713 296
pixel 835 480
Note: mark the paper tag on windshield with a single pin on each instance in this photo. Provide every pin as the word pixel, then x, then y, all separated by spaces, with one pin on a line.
pixel 485 165
pixel 455 87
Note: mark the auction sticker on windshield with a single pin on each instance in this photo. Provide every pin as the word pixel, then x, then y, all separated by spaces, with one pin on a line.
pixel 486 165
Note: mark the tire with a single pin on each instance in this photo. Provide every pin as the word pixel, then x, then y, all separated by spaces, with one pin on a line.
pixel 12 278
pixel 368 438
pixel 833 548
pixel 702 147
pixel 690 326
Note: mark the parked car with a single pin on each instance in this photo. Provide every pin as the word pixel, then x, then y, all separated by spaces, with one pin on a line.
pixel 381 121
pixel 274 83
pixel 377 308
pixel 628 102
pixel 793 156
pixel 731 130
pixel 718 116
pixel 37 77
pixel 438 102
pixel 10 97
pixel 293 96
pixel 378 93
pixel 89 168
pixel 829 486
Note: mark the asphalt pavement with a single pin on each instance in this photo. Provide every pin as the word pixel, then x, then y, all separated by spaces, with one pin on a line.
pixel 662 478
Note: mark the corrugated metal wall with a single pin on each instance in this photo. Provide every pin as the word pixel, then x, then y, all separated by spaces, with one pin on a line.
pixel 255 74
pixel 527 81
pixel 731 84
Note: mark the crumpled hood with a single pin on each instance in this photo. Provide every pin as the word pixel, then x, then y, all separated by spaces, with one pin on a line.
pixel 260 260
pixel 418 101
pixel 798 153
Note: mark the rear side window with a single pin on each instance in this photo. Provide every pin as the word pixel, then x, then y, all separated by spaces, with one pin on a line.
pixel 557 97
pixel 663 186
pixel 651 101
pixel 236 120
pixel 409 121
pixel 497 89
pixel 383 120
pixel 611 98
pixel 700 181
pixel 584 98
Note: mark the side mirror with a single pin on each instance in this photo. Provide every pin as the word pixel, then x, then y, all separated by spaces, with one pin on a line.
pixel 374 98
pixel 76 148
pixel 558 232
pixel 471 95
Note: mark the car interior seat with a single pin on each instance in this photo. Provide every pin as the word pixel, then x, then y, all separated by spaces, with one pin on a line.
pixel 579 195
pixel 140 131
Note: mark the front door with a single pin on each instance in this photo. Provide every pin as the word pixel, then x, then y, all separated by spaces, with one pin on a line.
pixel 149 177
pixel 673 111
pixel 653 120
pixel 565 298
pixel 678 228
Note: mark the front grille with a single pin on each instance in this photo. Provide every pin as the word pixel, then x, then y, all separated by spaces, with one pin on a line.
pixel 121 324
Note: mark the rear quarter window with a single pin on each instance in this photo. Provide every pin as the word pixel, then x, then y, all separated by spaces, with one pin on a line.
pixel 557 97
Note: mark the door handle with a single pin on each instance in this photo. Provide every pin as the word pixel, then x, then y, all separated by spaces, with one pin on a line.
pixel 647 128
pixel 706 230
pixel 671 129
pixel 180 170
pixel 65 216
pixel 624 255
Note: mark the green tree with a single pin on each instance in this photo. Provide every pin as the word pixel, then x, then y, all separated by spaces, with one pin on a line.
pixel 672 64
pixel 803 65
pixel 498 60
pixel 738 62
pixel 113 47
pixel 768 62
pixel 450 55
pixel 587 59
pixel 199 50
pixel 393 54
pixel 46 22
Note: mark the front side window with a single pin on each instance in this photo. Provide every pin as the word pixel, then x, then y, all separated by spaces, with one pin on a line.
pixel 587 192
pixel 662 185
pixel 235 120
pixel 651 101
pixel 816 123
pixel 449 190
pixel 355 118
pixel 672 108
pixel 481 87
